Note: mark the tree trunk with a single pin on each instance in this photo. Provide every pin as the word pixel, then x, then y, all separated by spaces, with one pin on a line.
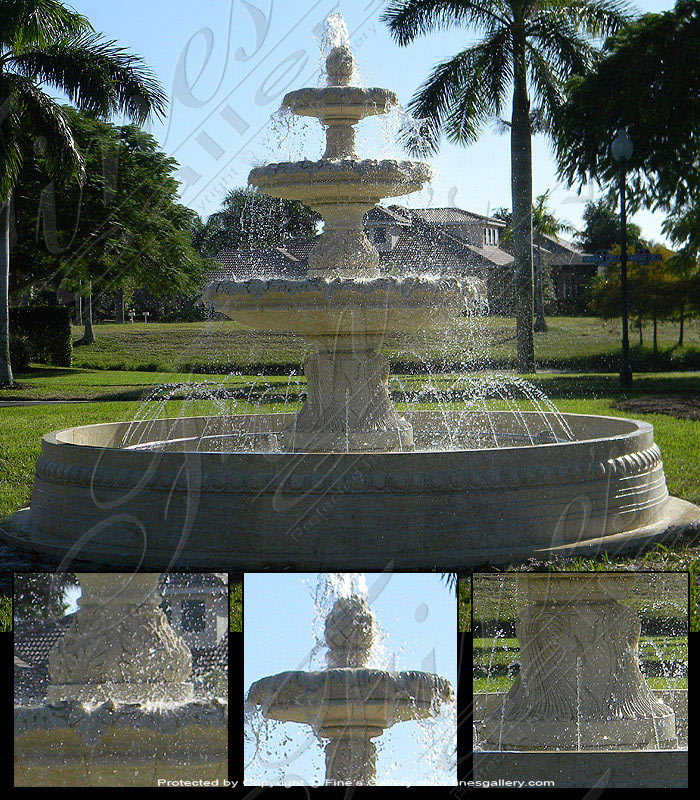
pixel 89 335
pixel 6 377
pixel 521 188
pixel 656 344
pixel 540 321
pixel 641 332
pixel 120 306
pixel 78 309
pixel 681 325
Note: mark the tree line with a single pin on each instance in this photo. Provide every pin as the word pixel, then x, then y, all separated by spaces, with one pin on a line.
pixel 96 204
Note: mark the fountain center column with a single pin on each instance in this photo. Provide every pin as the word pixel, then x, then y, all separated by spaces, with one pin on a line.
pixel 120 646
pixel 351 755
pixel 348 407
pixel 579 686
pixel 351 760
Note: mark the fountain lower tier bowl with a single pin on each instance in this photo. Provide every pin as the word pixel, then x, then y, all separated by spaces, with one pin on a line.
pixel 316 307
pixel 209 493
pixel 70 744
pixel 349 698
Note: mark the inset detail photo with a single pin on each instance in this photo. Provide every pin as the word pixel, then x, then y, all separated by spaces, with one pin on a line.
pixel 350 679
pixel 581 679
pixel 120 679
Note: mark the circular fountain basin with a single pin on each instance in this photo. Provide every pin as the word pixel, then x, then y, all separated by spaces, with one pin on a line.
pixel 317 307
pixel 344 698
pixel 212 493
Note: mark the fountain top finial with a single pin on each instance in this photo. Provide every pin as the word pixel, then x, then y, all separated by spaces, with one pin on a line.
pixel 340 66
pixel 350 631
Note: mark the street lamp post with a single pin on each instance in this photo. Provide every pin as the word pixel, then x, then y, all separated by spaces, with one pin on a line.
pixel 622 152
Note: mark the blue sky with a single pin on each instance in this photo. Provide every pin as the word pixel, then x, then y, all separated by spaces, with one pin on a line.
pixel 227 63
pixel 418 613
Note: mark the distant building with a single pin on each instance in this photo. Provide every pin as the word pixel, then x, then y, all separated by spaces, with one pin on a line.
pixel 197 607
pixel 428 240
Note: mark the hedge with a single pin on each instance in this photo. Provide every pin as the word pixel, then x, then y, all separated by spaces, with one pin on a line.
pixel 41 334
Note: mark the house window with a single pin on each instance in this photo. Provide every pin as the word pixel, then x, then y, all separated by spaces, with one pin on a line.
pixel 193 615
pixel 380 235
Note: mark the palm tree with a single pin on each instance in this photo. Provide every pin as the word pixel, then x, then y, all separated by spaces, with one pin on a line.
pixel 43 42
pixel 544 223
pixel 529 47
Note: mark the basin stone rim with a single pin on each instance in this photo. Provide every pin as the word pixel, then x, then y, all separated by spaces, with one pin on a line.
pixel 468 469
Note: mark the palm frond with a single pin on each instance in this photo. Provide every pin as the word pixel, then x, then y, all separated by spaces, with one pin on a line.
pixel 49 125
pixel 35 23
pixel 548 86
pixel 600 18
pixel 565 48
pixel 496 66
pixel 408 19
pixel 455 96
pixel 11 154
pixel 99 76
pixel 481 96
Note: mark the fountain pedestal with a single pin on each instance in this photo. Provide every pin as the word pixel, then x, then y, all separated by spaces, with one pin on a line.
pixel 579 686
pixel 353 754
pixel 120 646
pixel 120 710
pixel 348 407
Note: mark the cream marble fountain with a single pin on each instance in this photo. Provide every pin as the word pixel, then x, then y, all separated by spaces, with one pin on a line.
pixel 343 308
pixel 120 708
pixel 349 704
pixel 348 482
pixel 580 711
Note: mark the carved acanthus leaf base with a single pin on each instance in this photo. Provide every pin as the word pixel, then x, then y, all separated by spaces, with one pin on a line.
pixel 348 407
pixel 580 685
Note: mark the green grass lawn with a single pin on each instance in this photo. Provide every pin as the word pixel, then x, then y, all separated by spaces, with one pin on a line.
pixel 464 600
pixel 584 343
pixel 663 660
pixel 5 614
pixel 236 607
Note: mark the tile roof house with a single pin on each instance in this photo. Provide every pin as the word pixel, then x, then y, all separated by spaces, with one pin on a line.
pixel 415 240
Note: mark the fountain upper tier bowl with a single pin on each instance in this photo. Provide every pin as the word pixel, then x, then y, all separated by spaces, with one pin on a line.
pixel 346 697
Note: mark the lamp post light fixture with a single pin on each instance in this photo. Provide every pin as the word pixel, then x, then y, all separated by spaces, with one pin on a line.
pixel 622 149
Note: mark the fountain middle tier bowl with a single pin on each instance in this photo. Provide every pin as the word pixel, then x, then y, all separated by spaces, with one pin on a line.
pixel 337 181
pixel 348 697
pixel 211 493
pixel 338 307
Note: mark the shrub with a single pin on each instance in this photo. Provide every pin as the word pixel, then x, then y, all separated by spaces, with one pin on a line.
pixel 44 333
pixel 19 352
